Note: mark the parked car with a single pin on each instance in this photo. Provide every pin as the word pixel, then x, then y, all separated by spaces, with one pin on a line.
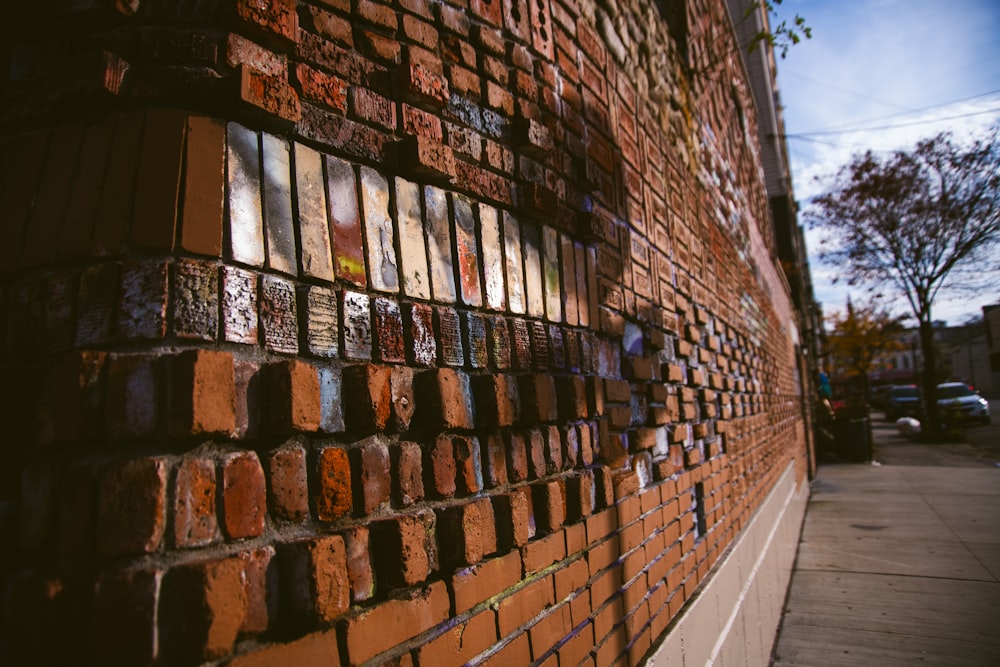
pixel 903 401
pixel 963 400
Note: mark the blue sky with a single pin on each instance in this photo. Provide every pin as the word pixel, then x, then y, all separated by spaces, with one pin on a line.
pixel 881 75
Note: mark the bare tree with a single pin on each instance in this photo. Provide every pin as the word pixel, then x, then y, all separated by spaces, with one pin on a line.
pixel 918 222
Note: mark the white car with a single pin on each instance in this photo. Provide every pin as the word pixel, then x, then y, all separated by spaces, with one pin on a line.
pixel 965 400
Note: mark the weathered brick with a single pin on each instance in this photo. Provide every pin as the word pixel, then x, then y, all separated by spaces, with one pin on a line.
pixel 447 324
pixel 244 495
pixel 202 393
pixel 315 582
pixel 359 563
pixel 388 330
pixel 142 308
pixel 131 396
pixel 356 325
pixel 345 221
pixel 538 398
pixel 196 300
pixel 239 305
pixel 288 486
pixel 440 469
pixel 321 321
pixel 497 400
pixel 279 314
pixel 367 397
pixel 275 20
pixel 322 88
pixel 131 504
pixel 292 391
pixel 204 606
pixel 399 548
pixel 195 522
pixel 408 473
pixel 371 474
pixel 446 400
pixel 332 497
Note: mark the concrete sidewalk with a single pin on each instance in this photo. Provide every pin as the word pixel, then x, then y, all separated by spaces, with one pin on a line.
pixel 897 565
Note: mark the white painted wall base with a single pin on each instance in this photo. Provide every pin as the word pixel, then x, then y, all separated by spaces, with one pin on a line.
pixel 733 620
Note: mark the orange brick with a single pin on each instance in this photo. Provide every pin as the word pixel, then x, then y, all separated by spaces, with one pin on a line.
pixel 203 393
pixel 395 621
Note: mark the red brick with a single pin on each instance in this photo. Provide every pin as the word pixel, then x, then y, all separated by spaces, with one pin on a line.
pixel 539 554
pixel 322 88
pixel 315 584
pixel 131 505
pixel 494 461
pixel 275 20
pixel 549 502
pixel 460 535
pixel 521 607
pixel 477 584
pixel 423 86
pixel 422 123
pixel 318 649
pixel 538 398
pixel 331 25
pixel 572 394
pixel 359 563
pixel 372 476
pixel 425 157
pixel 439 462
pixel 404 400
pixel 370 107
pixel 269 94
pixel 513 520
pixel 244 499
pixel 399 548
pixel 367 397
pixel 333 489
pixel 288 483
pixel 515 652
pixel 131 398
pixel 577 650
pixel 517 457
pixel 382 15
pixel 468 464
pixel 203 393
pixel 395 621
pixel 496 400
pixel 461 643
pixel 124 614
pixel 257 573
pixel 549 631
pixel 408 477
pixel 536 454
pixel 195 523
pixel 202 609
pixel 293 397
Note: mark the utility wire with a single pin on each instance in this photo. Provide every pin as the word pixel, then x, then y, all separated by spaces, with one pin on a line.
pixel 807 135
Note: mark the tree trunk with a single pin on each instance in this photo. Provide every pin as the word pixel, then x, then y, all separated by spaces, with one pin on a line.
pixel 928 389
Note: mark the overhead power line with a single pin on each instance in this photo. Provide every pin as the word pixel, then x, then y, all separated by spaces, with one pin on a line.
pixel 873 128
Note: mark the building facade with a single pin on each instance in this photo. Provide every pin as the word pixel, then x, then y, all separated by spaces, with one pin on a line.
pixel 405 333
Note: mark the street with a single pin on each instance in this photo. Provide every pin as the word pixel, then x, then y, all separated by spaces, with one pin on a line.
pixel 981 447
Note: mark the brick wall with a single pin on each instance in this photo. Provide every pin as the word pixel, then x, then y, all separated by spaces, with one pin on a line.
pixel 416 333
